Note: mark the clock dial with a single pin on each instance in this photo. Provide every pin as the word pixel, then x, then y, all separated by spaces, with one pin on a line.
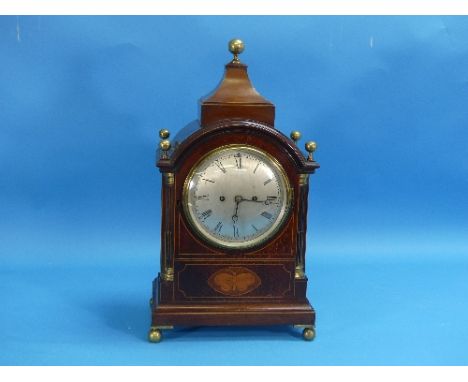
pixel 237 197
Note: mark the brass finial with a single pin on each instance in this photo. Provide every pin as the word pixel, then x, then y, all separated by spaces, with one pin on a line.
pixel 165 146
pixel 310 147
pixel 164 133
pixel 295 135
pixel 236 47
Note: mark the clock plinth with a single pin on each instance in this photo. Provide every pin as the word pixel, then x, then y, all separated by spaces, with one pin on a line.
pixel 230 313
pixel 234 217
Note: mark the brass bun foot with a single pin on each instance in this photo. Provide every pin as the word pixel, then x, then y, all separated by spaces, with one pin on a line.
pixel 154 335
pixel 308 334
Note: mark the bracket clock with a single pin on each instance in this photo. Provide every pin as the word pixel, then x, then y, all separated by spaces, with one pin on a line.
pixel 234 216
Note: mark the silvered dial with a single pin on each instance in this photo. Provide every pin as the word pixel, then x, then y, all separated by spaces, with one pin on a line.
pixel 237 197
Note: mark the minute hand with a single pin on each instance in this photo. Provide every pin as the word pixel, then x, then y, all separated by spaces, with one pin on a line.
pixel 268 201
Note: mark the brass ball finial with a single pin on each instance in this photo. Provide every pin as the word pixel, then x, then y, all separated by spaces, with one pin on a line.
pixel 236 47
pixel 164 133
pixel 295 135
pixel 310 147
pixel 165 145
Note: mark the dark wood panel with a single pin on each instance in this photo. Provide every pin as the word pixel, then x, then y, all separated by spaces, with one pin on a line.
pixel 192 280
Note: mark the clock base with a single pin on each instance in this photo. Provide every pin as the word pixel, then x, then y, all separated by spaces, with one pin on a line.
pixel 232 313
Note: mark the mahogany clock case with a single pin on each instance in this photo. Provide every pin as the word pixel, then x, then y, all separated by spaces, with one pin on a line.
pixel 201 283
pixel 277 295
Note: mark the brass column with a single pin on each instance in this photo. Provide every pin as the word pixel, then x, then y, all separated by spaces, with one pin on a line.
pixel 167 224
pixel 167 219
pixel 302 225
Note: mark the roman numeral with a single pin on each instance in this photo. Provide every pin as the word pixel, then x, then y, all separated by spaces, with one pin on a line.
pixel 205 215
pixel 218 227
pixel 255 228
pixel 202 197
pixel 270 199
pixel 208 180
pixel 238 159
pixel 266 215
pixel 255 169
pixel 236 231
pixel 267 181
pixel 220 166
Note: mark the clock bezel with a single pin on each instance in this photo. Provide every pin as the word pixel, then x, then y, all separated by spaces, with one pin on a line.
pixel 262 240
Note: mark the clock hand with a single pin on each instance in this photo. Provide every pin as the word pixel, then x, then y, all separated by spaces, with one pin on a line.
pixel 235 217
pixel 237 199
pixel 268 201
pixel 240 198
